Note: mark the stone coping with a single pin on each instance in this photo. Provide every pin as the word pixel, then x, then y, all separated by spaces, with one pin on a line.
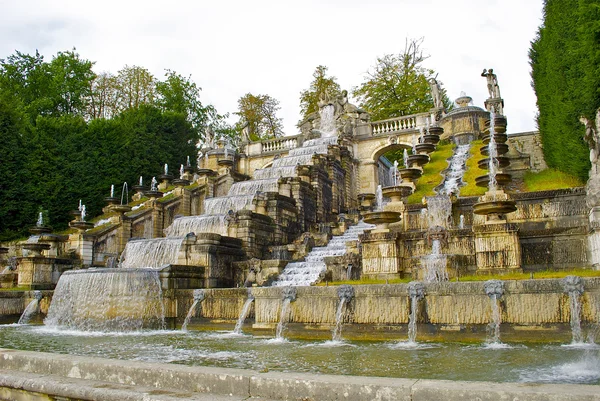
pixel 26 370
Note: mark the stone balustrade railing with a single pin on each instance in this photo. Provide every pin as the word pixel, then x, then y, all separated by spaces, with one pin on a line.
pixel 284 143
pixel 411 122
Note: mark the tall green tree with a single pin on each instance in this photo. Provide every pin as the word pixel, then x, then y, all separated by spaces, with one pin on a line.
pixel 565 62
pixel 397 84
pixel 71 79
pixel 258 116
pixel 322 85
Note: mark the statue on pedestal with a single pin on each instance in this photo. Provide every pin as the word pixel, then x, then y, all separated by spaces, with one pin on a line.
pixel 436 93
pixel 492 83
pixel 592 138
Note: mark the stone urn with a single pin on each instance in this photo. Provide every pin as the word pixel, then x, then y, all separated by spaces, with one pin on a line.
pixel 417 160
pixel 139 190
pixel 397 193
pixel 153 194
pixel 409 175
pixel 424 148
pixel 39 230
pixel 494 205
pixel 180 182
pixel 501 179
pixel 81 225
pixel 112 200
pixel 121 209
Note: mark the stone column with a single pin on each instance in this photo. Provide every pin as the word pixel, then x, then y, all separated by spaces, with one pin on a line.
pixel 367 172
pixel 497 248
pixel 594 237
pixel 381 255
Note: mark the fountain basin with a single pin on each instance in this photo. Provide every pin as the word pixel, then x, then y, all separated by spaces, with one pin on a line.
pixel 502 162
pixel 382 219
pixel 225 162
pixel 36 248
pixel 206 172
pixel 410 174
pixel 425 148
pixel 430 138
pixel 121 208
pixel 501 149
pixel 153 194
pixel 188 169
pixel 498 207
pixel 180 182
pixel 140 189
pixel 418 160
pixel 498 138
pixel 112 200
pixel 499 124
pixel 165 177
pixel 398 192
pixel 37 230
pixel 435 130
pixel 81 225
pixel 501 178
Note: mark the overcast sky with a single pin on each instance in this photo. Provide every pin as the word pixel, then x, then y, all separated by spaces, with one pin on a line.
pixel 232 47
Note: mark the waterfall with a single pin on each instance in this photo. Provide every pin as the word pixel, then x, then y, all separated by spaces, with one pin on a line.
pixel 107 300
pixel 439 210
pixel 199 296
pixel 308 272
pixel 288 295
pixel 379 199
pixel 345 294
pixel 494 289
pixel 213 223
pixel 435 263
pixel 456 170
pixel 416 292
pixel 573 286
pixel 31 309
pixel 253 186
pixel 243 314
pixel 224 204
pixel 151 253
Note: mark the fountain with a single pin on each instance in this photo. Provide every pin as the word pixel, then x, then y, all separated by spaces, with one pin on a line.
pixel 288 295
pixel 494 289
pixel 199 296
pixel 107 300
pixel 416 292
pixel 244 313
pixel 32 308
pixel 345 294
pixel 573 286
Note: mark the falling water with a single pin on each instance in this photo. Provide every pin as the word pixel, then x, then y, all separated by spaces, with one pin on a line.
pixel 405 158
pixel 288 295
pixel 243 314
pixel 345 294
pixel 275 172
pixel 31 309
pixel 573 286
pixel 83 213
pixel 112 191
pixel 307 272
pixel 181 172
pixel 40 220
pixel 151 253
pixel 494 289
pixel 379 199
pixel 199 296
pixel 394 173
pixel 461 222
pixel 212 223
pixel 435 264
pixel 492 154
pixel 253 186
pixel 107 300
pixel 456 170
pixel 222 205
pixel 439 210
pixel 416 292
pixel 166 169
pixel 124 194
pixel 141 182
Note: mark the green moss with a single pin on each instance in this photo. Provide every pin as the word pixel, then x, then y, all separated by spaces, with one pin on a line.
pixel 192 186
pixel 550 179
pixel 167 198
pixel 473 171
pixel 432 176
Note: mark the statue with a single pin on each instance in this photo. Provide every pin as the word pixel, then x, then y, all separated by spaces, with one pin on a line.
pixel 591 137
pixel 492 83
pixel 209 137
pixel 436 93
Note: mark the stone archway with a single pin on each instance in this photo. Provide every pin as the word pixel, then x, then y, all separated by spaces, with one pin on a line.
pixel 369 155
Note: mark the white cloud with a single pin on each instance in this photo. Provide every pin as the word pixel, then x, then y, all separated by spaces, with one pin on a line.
pixel 272 47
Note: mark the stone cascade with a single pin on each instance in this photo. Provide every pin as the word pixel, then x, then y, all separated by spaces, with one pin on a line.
pixel 456 171
pixel 308 272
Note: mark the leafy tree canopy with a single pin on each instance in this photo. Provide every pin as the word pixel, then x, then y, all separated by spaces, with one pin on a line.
pixel 321 85
pixel 258 117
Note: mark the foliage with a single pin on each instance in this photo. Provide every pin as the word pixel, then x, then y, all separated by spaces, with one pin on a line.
pixel 321 86
pixel 473 171
pixel 258 115
pixel 397 85
pixel 549 179
pixel 432 176
pixel 565 61
pixel 67 134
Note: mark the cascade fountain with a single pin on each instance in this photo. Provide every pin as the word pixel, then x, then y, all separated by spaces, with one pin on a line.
pixel 199 296
pixel 107 300
pixel 573 286
pixel 287 296
pixel 416 292
pixel 31 308
pixel 439 209
pixel 244 313
pixel 494 289
pixel 307 272
pixel 345 294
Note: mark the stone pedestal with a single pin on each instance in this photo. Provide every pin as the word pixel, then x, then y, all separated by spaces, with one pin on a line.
pixel 594 238
pixel 35 273
pixel 381 256
pixel 497 248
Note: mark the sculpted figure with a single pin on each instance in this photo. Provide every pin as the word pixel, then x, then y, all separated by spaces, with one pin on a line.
pixel 591 137
pixel 492 83
pixel 436 93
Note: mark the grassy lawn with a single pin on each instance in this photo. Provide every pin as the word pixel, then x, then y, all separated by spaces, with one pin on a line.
pixel 432 176
pixel 516 276
pixel 473 171
pixel 550 179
